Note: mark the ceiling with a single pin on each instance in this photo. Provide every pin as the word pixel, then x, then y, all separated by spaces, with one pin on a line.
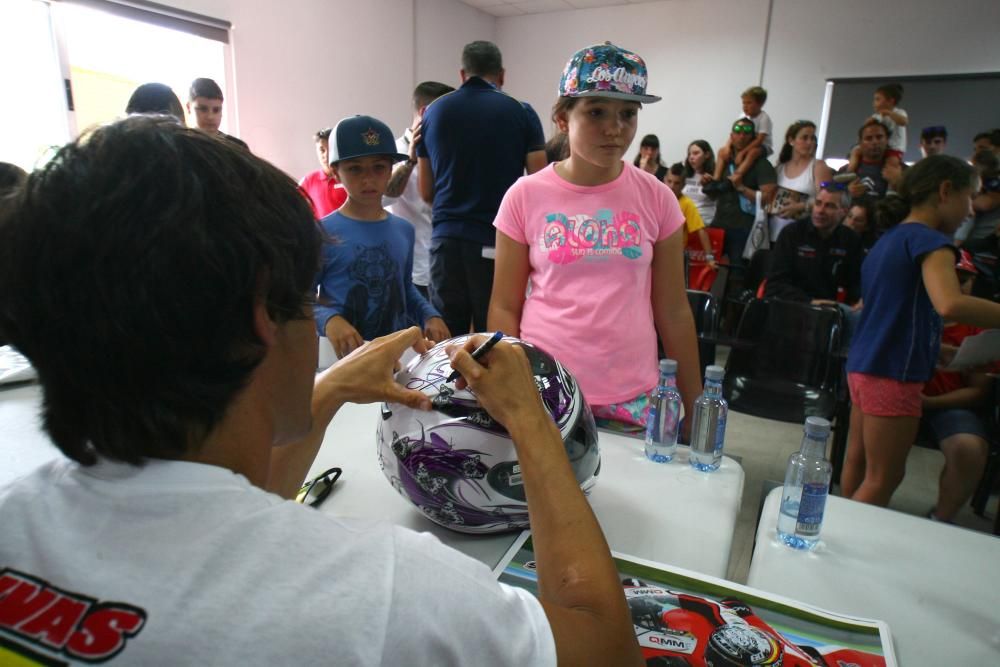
pixel 521 7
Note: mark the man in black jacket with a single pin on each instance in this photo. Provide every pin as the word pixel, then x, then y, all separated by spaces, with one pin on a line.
pixel 815 259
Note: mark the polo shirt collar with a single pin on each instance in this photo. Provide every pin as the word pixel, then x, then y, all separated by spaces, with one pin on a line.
pixel 478 82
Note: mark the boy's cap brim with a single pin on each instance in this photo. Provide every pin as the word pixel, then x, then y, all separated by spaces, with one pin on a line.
pixel 646 99
pixel 395 157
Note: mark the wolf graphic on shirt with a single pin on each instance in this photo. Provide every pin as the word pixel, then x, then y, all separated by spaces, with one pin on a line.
pixel 375 298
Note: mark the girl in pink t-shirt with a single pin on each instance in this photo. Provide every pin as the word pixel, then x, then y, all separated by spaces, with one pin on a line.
pixel 589 261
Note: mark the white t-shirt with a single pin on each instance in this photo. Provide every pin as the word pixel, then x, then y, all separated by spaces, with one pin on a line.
pixel 897 133
pixel 762 124
pixel 189 564
pixel 410 206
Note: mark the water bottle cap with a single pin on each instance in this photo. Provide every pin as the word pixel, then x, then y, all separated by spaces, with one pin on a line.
pixel 668 366
pixel 817 426
pixel 715 373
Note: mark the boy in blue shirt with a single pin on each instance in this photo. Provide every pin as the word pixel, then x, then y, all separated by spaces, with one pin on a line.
pixel 365 285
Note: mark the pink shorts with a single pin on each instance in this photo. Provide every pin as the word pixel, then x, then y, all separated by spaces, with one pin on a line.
pixel 885 397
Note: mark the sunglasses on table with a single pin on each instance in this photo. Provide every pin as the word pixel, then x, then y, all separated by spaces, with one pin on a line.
pixel 316 490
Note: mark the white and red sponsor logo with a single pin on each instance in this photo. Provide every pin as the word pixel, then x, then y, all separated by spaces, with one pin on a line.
pixel 78 626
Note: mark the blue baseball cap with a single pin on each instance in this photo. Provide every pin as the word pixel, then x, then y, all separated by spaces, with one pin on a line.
pixel 606 70
pixel 358 136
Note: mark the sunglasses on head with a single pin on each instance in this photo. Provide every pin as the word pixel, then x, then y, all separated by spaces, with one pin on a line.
pixel 832 185
pixel 743 128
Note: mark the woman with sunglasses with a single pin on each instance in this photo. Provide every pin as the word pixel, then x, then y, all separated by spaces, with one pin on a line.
pixel 799 172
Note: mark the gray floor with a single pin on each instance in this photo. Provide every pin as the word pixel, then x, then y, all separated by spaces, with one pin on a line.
pixel 764 447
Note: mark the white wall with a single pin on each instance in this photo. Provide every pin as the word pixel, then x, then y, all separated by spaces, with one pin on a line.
pixel 702 53
pixel 813 40
pixel 304 64
pixel 442 28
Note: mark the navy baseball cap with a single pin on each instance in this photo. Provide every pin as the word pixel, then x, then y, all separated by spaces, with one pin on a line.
pixel 358 136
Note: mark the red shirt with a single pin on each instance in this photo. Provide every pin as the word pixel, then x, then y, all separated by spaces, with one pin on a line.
pixel 947 381
pixel 325 192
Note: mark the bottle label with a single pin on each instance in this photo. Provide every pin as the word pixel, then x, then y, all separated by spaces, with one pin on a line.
pixel 651 421
pixel 811 508
pixel 720 433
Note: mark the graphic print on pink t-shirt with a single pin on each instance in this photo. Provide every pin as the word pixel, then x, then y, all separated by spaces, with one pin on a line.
pixel 571 238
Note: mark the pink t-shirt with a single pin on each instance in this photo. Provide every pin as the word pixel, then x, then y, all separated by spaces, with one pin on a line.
pixel 591 253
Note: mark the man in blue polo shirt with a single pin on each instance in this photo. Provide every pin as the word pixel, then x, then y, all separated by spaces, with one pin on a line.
pixel 475 142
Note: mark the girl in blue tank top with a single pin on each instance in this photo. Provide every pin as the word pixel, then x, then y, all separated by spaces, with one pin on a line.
pixel 908 284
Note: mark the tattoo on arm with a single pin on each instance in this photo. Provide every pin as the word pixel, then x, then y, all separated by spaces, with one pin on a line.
pixel 400 177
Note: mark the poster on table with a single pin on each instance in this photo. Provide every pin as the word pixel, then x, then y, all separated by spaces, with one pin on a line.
pixel 686 618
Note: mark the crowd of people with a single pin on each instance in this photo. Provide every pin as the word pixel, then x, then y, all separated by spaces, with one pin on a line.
pixel 205 274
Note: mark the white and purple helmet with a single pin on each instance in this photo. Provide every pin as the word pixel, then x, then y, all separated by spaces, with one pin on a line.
pixel 456 464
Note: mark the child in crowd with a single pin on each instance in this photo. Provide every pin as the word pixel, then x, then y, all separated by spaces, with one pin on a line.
pixel 649 157
pixel 950 402
pixel 933 140
pixel 365 285
pixel 321 186
pixel 908 285
pixel 753 108
pixel 693 224
pixel 699 165
pixel 600 241
pixel 894 119
pixel 205 104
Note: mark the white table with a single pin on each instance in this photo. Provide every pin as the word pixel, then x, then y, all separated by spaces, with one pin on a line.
pixel 663 512
pixel 669 513
pixel 935 585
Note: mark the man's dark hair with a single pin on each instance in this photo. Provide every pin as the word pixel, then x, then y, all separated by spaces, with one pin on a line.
pixel 11 176
pixel 428 91
pixel 894 91
pixel 993 136
pixel 481 58
pixel 873 121
pixel 323 135
pixel 155 98
pixel 677 169
pixel 130 267
pixel 206 88
pixel 933 132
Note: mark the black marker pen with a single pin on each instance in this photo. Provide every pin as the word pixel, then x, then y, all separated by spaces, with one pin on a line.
pixel 479 352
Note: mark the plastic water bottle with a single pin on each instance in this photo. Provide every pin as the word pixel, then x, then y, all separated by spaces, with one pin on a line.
pixel 807 482
pixel 708 428
pixel 664 416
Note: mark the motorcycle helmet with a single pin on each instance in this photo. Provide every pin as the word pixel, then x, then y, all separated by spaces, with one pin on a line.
pixel 456 464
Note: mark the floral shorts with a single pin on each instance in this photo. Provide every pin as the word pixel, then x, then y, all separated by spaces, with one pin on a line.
pixel 629 416
pixel 885 397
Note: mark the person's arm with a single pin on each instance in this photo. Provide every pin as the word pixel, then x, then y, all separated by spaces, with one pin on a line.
pixel 853 162
pixel 897 117
pixel 400 177
pixel 510 280
pixel 534 161
pixel 973 395
pixel 821 173
pixel 425 180
pixel 578 583
pixel 706 245
pixel 941 282
pixel 673 319
pixel 985 201
pixel 365 376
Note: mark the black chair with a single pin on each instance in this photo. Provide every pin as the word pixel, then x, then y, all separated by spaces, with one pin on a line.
pixel 705 309
pixel 785 363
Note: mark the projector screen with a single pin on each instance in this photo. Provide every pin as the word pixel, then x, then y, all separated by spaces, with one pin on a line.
pixel 966 104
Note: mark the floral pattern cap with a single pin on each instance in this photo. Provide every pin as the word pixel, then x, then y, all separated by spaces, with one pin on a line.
pixel 606 70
